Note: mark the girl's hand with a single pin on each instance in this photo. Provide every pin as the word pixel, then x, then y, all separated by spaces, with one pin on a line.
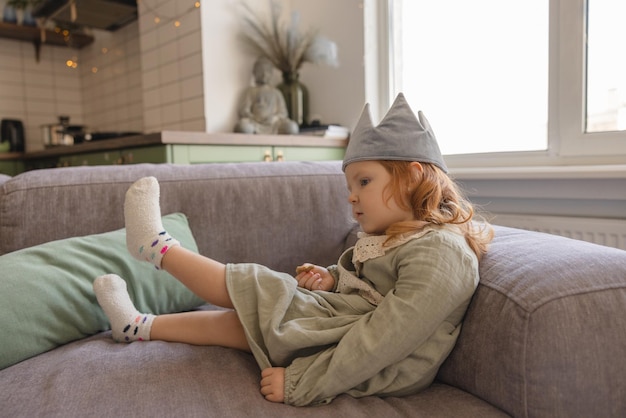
pixel 273 384
pixel 316 278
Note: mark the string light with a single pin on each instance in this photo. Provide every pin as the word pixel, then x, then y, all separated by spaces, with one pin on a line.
pixel 161 19
pixel 157 18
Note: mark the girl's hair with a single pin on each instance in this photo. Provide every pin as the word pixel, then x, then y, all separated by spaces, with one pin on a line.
pixel 435 200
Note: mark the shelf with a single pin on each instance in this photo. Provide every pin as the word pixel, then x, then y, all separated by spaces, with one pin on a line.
pixel 32 34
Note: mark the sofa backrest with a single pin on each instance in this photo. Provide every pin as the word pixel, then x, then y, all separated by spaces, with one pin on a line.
pixel 278 214
pixel 545 333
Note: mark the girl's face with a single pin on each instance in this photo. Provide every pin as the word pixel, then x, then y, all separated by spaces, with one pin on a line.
pixel 371 206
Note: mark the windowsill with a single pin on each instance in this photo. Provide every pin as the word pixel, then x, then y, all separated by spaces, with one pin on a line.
pixel 535 165
pixel 615 171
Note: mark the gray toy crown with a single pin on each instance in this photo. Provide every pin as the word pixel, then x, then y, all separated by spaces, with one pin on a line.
pixel 399 136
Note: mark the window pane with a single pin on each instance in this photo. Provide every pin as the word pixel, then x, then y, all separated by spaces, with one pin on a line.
pixel 606 66
pixel 478 70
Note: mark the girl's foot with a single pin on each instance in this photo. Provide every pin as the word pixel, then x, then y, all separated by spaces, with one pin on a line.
pixel 145 237
pixel 127 323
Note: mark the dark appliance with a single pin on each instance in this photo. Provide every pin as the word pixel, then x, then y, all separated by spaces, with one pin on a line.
pixel 12 131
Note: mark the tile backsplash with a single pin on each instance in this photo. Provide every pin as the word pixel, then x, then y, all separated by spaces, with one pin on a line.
pixel 103 91
pixel 145 77
pixel 38 92
pixel 111 81
pixel 171 60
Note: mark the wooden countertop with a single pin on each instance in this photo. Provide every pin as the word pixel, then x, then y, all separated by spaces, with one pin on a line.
pixel 187 138
pixel 9 156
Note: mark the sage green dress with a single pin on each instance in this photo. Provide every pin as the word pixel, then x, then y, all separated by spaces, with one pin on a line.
pixel 391 321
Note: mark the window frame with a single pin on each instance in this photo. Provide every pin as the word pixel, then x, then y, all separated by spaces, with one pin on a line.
pixel 568 143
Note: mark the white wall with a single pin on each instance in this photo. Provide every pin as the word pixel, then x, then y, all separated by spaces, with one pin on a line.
pixel 337 95
pixel 226 68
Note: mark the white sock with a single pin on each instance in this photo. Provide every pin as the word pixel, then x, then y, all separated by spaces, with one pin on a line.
pixel 127 323
pixel 145 237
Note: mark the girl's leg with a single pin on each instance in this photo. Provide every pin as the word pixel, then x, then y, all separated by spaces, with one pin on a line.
pixel 200 327
pixel 203 276
pixel 148 241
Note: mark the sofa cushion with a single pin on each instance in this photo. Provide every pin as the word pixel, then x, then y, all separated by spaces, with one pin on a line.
pixel 544 334
pixel 96 377
pixel 46 295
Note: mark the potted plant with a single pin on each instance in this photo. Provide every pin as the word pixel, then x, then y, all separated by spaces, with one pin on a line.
pixel 288 48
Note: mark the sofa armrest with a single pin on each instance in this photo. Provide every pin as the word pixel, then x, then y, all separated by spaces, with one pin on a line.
pixel 544 333
pixel 3 178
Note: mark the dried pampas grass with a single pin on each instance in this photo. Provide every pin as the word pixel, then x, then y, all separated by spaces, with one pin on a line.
pixel 285 45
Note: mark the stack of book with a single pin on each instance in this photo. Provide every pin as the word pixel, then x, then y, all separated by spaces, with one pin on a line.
pixel 326 131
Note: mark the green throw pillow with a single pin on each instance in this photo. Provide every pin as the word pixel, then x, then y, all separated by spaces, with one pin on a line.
pixel 46 294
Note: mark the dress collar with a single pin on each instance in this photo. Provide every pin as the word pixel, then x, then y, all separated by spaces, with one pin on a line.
pixel 371 246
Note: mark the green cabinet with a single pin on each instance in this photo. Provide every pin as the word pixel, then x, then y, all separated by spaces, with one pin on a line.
pixel 11 167
pixel 201 154
pixel 188 148
pixel 308 153
pixel 92 158
pixel 198 154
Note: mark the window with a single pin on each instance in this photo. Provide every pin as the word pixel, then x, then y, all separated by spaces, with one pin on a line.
pixel 475 76
pixel 497 76
pixel 606 66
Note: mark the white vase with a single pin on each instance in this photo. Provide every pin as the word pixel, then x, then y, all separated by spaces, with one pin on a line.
pixel 19 14
pixel 8 14
pixel 29 20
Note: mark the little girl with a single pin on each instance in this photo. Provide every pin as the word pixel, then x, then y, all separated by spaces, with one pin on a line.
pixel 379 322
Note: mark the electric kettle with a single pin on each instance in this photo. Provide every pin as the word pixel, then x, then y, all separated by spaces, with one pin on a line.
pixel 12 131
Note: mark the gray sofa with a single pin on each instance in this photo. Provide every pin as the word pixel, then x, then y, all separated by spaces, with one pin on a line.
pixel 544 336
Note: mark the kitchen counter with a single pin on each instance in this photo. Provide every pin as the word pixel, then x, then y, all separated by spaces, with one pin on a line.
pixel 186 138
pixel 10 156
pixel 180 147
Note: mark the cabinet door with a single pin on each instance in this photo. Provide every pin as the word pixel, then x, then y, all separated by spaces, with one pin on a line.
pixel 308 153
pixel 155 154
pixel 198 154
pixel 94 158
pixel 11 168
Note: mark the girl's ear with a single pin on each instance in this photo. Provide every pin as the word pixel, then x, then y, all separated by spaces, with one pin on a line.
pixel 417 166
